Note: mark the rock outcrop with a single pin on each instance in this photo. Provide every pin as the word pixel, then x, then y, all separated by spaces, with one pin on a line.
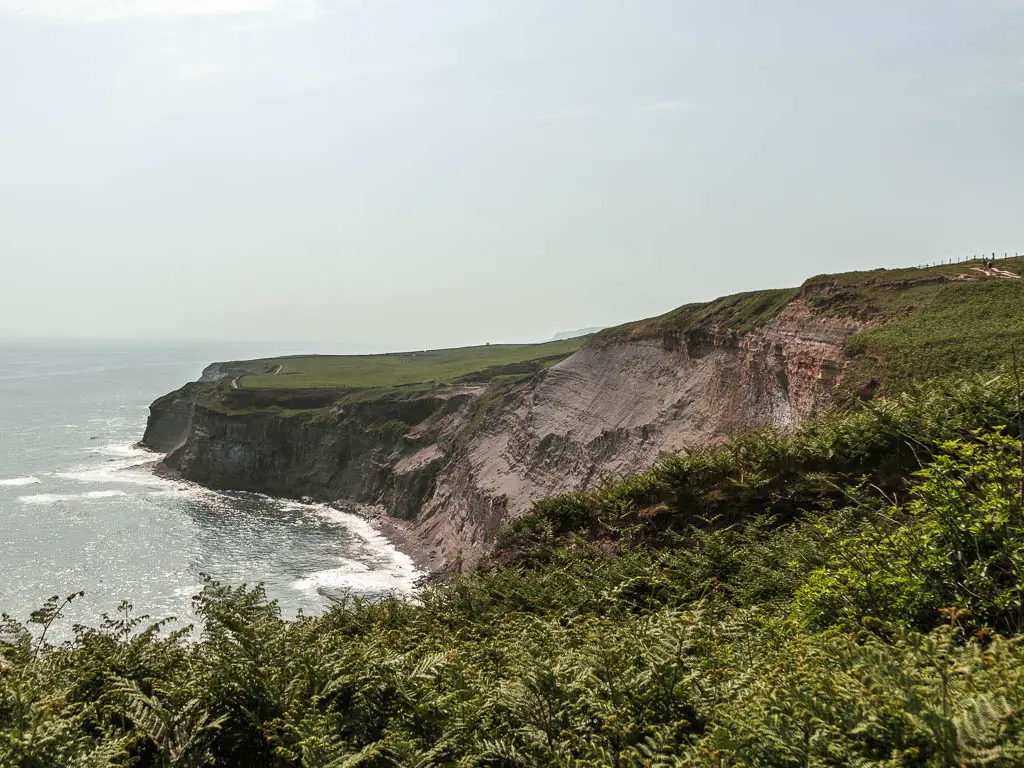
pixel 170 418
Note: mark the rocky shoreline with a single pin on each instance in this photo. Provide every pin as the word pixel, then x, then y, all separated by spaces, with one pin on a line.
pixel 396 531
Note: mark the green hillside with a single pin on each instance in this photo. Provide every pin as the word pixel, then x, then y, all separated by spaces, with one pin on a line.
pixel 879 295
pixel 936 330
pixel 850 595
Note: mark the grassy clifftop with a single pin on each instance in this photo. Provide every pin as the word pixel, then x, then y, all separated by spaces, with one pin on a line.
pixel 958 328
pixel 740 313
pixel 442 366
pixel 314 381
pixel 946 320
pixel 919 323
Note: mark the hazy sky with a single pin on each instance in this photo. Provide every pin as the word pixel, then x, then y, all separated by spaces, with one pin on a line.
pixel 411 173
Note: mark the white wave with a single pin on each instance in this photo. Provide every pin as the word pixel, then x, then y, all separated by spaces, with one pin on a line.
pixel 18 481
pixel 114 473
pixel 129 467
pixel 366 531
pixel 391 571
pixel 53 498
pixel 124 450
pixel 357 577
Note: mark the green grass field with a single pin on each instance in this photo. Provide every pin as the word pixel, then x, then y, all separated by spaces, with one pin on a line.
pixel 437 366
pixel 295 385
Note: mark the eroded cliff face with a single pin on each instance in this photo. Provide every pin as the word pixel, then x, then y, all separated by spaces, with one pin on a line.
pixel 454 469
pixel 615 409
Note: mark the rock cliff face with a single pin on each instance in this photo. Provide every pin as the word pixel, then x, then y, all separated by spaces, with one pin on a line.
pixel 170 418
pixel 378 454
pixel 456 468
pixel 614 409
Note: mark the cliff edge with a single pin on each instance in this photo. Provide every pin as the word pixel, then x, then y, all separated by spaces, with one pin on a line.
pixel 450 445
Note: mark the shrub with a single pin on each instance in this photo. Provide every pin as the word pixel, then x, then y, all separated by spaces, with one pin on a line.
pixel 958 545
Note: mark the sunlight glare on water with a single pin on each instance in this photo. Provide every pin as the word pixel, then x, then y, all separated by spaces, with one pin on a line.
pixel 80 508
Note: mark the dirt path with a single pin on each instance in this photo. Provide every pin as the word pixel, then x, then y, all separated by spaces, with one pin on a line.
pixel 234 380
pixel 996 272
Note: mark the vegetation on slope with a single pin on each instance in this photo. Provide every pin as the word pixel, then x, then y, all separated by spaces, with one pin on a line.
pixel 920 322
pixel 864 607
pixel 739 313
pixel 316 381
pixel 953 328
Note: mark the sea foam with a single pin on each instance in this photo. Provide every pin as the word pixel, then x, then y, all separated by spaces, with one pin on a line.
pixel 392 570
pixel 126 469
pixel 357 579
pixel 18 481
pixel 53 498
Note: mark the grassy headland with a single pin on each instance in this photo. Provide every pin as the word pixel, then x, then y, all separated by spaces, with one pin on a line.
pixel 315 381
pixel 433 366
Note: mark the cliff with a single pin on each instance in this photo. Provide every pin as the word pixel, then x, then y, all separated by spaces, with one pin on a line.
pixel 613 408
pixel 459 459
pixel 171 418
pixel 348 454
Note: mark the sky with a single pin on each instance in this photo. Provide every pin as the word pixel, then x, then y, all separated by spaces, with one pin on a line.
pixel 398 174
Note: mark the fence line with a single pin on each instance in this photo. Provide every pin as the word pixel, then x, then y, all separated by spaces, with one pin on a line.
pixel 966 259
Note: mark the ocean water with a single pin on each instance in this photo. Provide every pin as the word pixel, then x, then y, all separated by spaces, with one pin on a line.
pixel 80 508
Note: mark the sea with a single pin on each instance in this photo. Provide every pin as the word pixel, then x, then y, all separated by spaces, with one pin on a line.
pixel 82 510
